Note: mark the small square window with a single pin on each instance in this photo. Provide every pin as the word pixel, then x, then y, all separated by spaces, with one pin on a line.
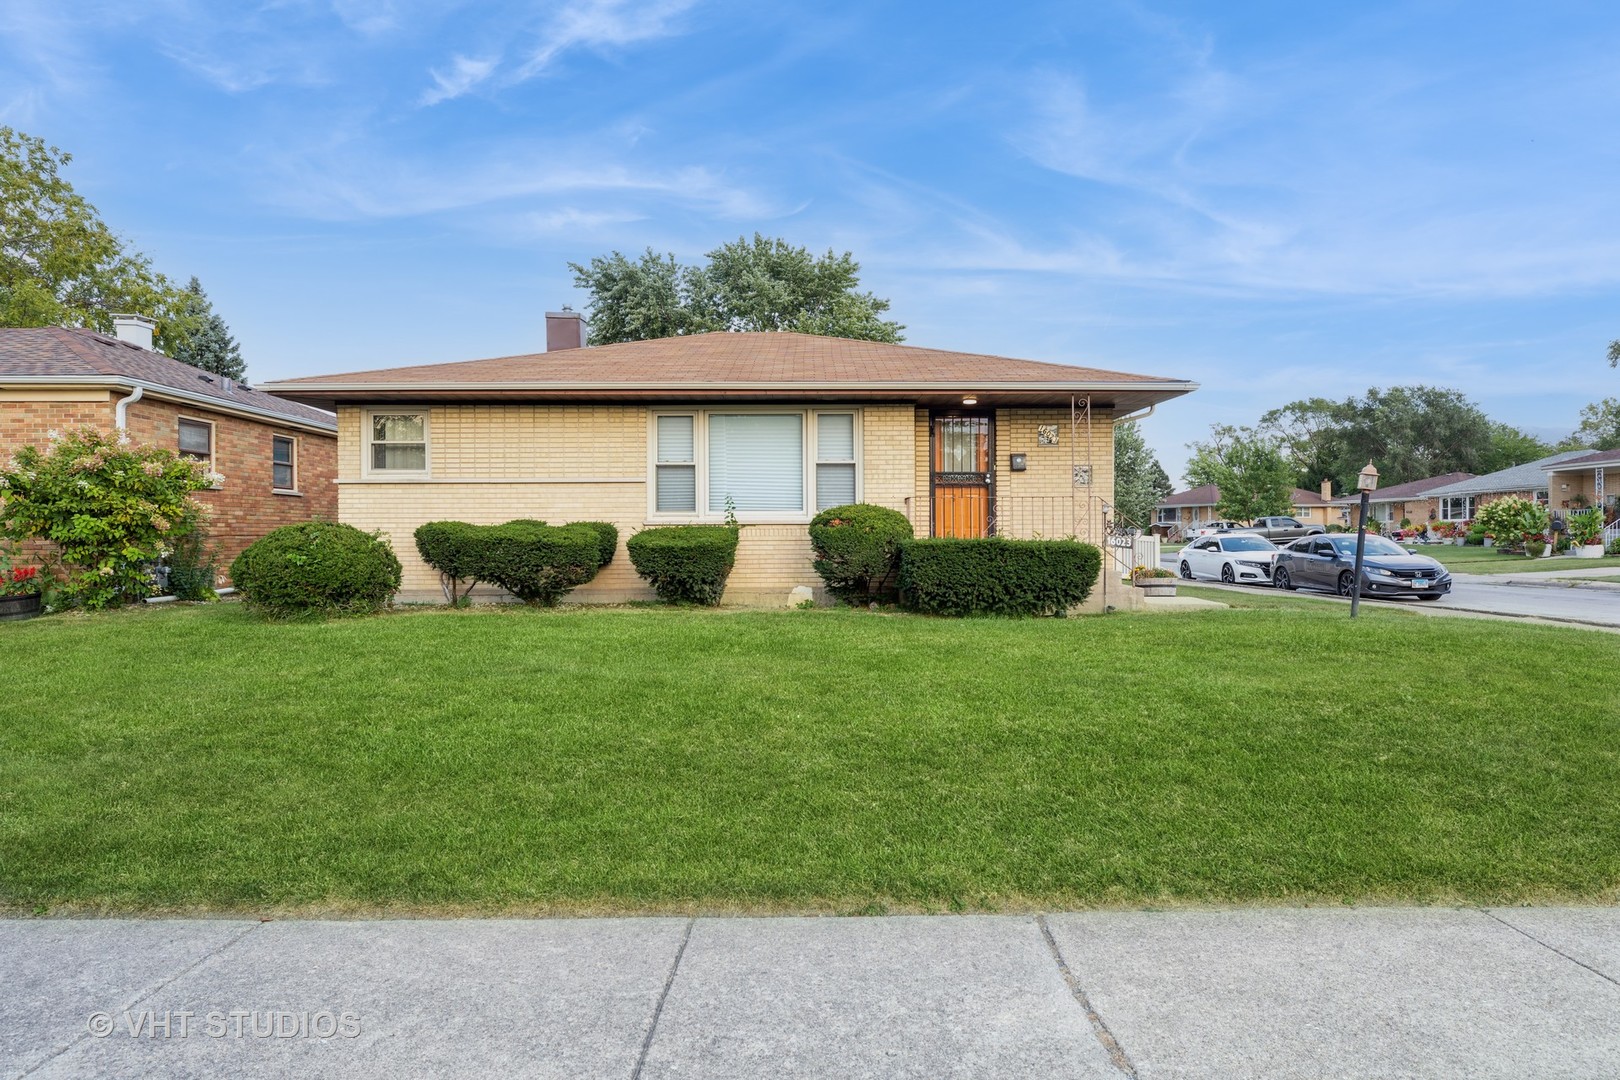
pixel 196 439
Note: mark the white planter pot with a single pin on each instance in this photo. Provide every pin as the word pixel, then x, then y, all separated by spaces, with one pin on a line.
pixel 1588 551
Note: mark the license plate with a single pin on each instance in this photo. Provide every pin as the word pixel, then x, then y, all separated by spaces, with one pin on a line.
pixel 1419 583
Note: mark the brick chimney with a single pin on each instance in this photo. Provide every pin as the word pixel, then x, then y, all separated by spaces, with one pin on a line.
pixel 565 329
pixel 1327 490
pixel 135 329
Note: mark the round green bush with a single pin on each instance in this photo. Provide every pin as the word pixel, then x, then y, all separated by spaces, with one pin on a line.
pixel 857 550
pixel 536 562
pixel 454 549
pixel 607 535
pixel 316 568
pixel 685 564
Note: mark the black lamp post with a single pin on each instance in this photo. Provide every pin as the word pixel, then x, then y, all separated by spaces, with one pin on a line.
pixel 1368 483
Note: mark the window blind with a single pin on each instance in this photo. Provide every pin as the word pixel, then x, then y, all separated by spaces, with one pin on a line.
pixel 677 469
pixel 757 459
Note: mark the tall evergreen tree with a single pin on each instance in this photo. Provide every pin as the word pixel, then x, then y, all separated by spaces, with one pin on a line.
pixel 209 345
pixel 1140 482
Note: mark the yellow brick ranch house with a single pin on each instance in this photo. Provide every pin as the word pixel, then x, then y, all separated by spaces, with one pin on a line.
pixel 768 427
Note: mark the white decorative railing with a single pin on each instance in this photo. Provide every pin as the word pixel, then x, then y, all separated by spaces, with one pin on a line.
pixel 1611 533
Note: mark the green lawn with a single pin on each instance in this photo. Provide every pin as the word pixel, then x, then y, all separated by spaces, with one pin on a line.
pixel 1484 560
pixel 192 758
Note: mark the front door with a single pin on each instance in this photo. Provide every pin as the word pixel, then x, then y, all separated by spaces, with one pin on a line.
pixel 963 479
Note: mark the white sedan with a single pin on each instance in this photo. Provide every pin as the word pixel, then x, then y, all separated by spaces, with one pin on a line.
pixel 1235 558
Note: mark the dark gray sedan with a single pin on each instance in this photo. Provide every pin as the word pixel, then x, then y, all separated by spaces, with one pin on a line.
pixel 1329 562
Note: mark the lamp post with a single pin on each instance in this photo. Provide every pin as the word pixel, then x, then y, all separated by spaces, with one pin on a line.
pixel 1367 482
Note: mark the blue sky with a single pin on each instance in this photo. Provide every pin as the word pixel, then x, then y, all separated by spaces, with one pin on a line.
pixel 1277 199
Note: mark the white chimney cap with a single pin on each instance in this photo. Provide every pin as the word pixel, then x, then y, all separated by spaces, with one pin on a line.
pixel 135 329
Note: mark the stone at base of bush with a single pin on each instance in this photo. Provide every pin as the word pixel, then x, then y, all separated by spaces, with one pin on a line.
pixel 997 577
pixel 316 568
pixel 685 564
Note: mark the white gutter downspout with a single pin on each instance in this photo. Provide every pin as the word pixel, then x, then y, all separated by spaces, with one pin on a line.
pixel 1127 418
pixel 122 411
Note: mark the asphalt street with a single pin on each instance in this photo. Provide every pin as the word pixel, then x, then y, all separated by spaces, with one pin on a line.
pixel 1543 595
pixel 1315 992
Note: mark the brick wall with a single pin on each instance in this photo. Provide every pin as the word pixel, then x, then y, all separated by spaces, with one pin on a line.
pixel 244 508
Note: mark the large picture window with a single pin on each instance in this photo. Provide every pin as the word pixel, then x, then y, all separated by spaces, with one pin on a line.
pixel 765 464
pixel 398 442
pixel 1457 508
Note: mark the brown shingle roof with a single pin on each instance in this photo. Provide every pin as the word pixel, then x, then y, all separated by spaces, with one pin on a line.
pixel 754 359
pixel 1413 489
pixel 1600 457
pixel 1209 495
pixel 737 365
pixel 57 352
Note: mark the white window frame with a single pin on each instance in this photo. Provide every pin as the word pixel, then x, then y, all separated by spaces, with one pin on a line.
pixel 368 426
pixel 1469 501
pixel 700 455
pixel 1174 513
pixel 291 489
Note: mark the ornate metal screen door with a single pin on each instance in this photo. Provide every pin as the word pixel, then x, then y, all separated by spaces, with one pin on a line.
pixel 962 479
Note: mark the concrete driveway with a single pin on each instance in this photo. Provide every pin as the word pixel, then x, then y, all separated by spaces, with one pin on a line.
pixel 1320 992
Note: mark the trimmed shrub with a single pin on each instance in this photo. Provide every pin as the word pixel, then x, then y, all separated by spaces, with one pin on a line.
pixel 607 535
pixel 685 564
pixel 455 550
pixel 995 576
pixel 317 568
pixel 858 550
pixel 536 562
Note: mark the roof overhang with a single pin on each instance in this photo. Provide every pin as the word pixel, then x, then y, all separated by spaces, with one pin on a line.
pixel 171 394
pixel 1115 398
pixel 1581 466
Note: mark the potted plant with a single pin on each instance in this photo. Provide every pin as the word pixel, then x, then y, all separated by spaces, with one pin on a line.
pixel 1586 533
pixel 20 588
pixel 1154 581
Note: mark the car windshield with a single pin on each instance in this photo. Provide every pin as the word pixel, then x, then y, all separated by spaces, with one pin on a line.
pixel 1248 543
pixel 1376 545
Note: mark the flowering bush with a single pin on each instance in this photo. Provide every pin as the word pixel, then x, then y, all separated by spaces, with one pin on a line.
pixel 108 506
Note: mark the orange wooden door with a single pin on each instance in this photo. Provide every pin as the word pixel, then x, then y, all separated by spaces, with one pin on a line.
pixel 962 479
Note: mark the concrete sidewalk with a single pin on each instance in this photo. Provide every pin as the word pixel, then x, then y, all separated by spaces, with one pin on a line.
pixel 1373 992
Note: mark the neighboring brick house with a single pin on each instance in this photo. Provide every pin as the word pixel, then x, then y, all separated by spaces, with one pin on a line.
pixel 278 458
pixel 1180 513
pixel 1400 502
pixel 665 431
pixel 1461 501
pixel 1585 479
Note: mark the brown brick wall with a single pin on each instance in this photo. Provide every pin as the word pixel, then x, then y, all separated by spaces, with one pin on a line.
pixel 244 508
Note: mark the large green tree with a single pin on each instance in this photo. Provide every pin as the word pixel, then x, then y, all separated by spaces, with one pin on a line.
pixel 209 345
pixel 1248 469
pixel 762 284
pixel 60 265
pixel 1599 428
pixel 1409 432
pixel 1140 482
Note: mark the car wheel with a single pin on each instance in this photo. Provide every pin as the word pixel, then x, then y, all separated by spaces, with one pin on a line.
pixel 1347 583
pixel 1282 580
pixel 1186 571
pixel 1227 577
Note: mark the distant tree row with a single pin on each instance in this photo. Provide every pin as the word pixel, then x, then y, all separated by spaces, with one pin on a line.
pixel 61 265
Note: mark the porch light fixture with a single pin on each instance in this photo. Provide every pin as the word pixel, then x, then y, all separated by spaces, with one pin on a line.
pixel 1367 482
pixel 970 400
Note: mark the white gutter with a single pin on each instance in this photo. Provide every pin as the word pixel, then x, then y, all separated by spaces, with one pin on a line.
pixel 139 388
pixel 1128 417
pixel 123 407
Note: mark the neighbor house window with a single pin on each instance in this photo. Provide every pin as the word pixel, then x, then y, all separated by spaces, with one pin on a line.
pixel 283 463
pixel 398 442
pixel 770 463
pixel 1168 515
pixel 196 439
pixel 1457 508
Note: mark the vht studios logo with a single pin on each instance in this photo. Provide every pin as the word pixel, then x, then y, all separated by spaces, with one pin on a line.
pixel 235 1024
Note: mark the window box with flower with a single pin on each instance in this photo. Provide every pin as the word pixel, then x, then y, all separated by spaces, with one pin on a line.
pixel 21 588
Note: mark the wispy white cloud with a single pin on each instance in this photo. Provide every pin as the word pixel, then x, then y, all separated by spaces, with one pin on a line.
pixel 465 73
pixel 585 24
